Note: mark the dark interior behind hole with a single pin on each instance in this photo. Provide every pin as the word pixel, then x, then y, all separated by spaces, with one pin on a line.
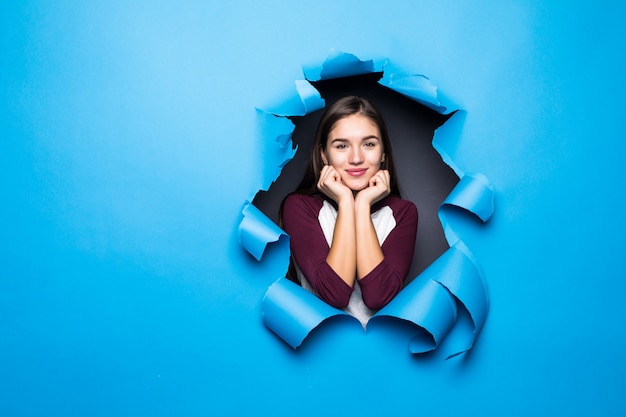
pixel 423 176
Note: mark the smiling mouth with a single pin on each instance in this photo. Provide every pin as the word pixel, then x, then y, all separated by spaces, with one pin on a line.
pixel 356 172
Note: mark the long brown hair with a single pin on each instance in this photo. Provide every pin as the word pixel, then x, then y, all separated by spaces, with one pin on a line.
pixel 344 107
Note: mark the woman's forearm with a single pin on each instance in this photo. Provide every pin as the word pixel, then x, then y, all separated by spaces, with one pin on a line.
pixel 368 251
pixel 342 254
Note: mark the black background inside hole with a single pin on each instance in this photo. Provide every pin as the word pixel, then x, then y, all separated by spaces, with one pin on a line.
pixel 423 176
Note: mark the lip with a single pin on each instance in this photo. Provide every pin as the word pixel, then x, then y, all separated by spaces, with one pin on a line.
pixel 356 172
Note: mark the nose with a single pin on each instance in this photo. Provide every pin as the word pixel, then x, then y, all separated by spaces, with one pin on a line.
pixel 356 155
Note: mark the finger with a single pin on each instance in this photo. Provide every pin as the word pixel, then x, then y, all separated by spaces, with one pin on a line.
pixel 322 178
pixel 377 179
pixel 328 176
pixel 326 172
pixel 380 181
pixel 333 174
pixel 384 177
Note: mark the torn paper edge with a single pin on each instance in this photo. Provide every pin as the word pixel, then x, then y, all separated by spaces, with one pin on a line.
pixel 456 271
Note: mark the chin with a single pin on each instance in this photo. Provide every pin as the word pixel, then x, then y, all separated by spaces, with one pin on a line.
pixel 356 187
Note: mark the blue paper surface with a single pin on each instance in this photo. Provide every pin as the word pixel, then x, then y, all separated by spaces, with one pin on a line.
pixel 129 141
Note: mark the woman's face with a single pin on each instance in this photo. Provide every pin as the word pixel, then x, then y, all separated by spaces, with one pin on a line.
pixel 354 148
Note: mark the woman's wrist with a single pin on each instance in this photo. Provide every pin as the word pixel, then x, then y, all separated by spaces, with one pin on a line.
pixel 362 206
pixel 362 200
pixel 346 202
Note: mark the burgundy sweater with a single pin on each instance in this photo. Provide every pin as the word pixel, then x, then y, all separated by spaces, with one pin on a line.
pixel 309 221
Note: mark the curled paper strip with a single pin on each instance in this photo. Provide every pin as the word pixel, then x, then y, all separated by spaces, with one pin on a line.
pixel 430 301
pixel 416 87
pixel 292 312
pixel 309 96
pixel 256 231
pixel 308 100
pixel 463 279
pixel 425 303
pixel 474 194
pixel 338 65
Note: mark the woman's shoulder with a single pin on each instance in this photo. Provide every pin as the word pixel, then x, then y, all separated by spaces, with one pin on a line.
pixel 295 200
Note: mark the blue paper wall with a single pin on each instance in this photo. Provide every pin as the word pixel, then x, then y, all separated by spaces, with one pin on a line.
pixel 129 141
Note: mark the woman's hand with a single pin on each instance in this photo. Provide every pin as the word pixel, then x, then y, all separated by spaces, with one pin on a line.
pixel 331 185
pixel 379 188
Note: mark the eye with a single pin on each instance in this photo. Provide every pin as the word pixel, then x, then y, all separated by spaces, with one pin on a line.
pixel 370 144
pixel 340 146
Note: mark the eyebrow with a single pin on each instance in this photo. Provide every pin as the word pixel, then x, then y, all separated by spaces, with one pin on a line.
pixel 370 137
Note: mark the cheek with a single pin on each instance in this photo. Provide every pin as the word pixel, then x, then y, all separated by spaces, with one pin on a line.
pixel 335 159
pixel 376 159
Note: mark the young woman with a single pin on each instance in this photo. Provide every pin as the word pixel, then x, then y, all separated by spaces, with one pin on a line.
pixel 352 236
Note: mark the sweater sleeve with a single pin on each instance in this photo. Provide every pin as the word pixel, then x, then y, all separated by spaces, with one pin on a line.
pixel 387 279
pixel 310 249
